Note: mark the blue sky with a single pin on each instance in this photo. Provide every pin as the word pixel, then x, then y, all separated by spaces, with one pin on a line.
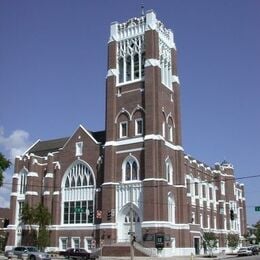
pixel 53 57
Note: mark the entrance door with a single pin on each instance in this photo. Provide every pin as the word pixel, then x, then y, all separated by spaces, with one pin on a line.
pixel 125 226
pixel 197 245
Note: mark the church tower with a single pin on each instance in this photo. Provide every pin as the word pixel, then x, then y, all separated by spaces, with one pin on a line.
pixel 143 149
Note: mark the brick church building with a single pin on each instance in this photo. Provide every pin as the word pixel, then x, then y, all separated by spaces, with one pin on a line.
pixel 133 178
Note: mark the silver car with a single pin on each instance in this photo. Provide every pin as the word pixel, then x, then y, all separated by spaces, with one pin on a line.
pixel 244 251
pixel 31 252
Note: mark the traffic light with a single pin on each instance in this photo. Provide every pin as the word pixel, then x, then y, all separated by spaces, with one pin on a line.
pixel 232 216
pixel 6 222
pixel 109 216
pixel 90 216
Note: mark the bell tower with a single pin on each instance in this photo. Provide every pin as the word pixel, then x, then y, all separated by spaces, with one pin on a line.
pixel 143 115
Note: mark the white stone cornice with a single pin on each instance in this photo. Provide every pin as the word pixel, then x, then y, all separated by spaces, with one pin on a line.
pixel 32 174
pixel 14 194
pixel 174 147
pixel 110 183
pixel 152 62
pixel 15 176
pixel 112 72
pixel 155 179
pixel 151 21
pixel 33 193
pixel 166 224
pixel 175 79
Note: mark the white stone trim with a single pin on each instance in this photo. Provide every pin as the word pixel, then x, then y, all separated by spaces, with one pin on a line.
pixel 49 175
pixel 165 224
pixel 125 142
pixel 32 174
pixel 88 226
pixel 152 62
pixel 33 193
pixel 31 147
pixel 15 176
pixel 155 179
pixel 112 72
pixel 56 193
pixel 174 147
pixel 151 21
pixel 130 150
pixel 46 193
pixel 110 183
pixel 14 194
pixel 175 79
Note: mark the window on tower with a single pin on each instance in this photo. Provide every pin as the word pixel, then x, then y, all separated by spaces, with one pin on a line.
pixel 131 58
pixel 130 169
pixel 139 126
pixel 123 129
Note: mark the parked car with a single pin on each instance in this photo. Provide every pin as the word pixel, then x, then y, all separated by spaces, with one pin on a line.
pixel 32 253
pixel 78 253
pixel 244 251
pixel 255 250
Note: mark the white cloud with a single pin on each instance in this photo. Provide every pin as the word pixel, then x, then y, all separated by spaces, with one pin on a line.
pixel 14 144
pixel 11 146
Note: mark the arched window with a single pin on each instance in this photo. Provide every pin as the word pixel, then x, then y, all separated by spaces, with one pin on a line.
pixel 168 171
pixel 22 181
pixel 78 192
pixel 130 169
pixel 131 59
pixel 171 208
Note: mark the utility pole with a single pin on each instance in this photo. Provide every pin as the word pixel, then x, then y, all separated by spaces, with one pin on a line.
pixel 131 231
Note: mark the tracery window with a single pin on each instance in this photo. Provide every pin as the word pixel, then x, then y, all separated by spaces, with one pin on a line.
pixel 78 193
pixel 130 169
pixel 131 59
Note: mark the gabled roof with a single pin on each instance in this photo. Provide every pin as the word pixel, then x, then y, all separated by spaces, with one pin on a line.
pixel 42 148
pixel 100 136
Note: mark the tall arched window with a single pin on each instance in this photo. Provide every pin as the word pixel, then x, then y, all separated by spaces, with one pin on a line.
pixel 22 181
pixel 131 59
pixel 78 193
pixel 130 169
pixel 168 171
pixel 171 208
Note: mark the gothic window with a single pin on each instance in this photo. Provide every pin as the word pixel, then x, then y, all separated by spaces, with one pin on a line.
pixel 169 171
pixel 78 191
pixel 22 182
pixel 171 208
pixel 131 59
pixel 130 169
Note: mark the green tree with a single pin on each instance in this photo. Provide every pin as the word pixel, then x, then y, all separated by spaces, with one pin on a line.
pixel 210 241
pixel 257 233
pixel 41 217
pixel 4 164
pixel 232 240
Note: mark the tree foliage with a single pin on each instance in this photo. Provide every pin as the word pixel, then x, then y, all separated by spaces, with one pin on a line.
pixel 41 217
pixel 257 233
pixel 232 240
pixel 4 164
pixel 210 241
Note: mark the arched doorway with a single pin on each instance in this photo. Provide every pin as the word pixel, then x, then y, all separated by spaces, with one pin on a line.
pixel 124 224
